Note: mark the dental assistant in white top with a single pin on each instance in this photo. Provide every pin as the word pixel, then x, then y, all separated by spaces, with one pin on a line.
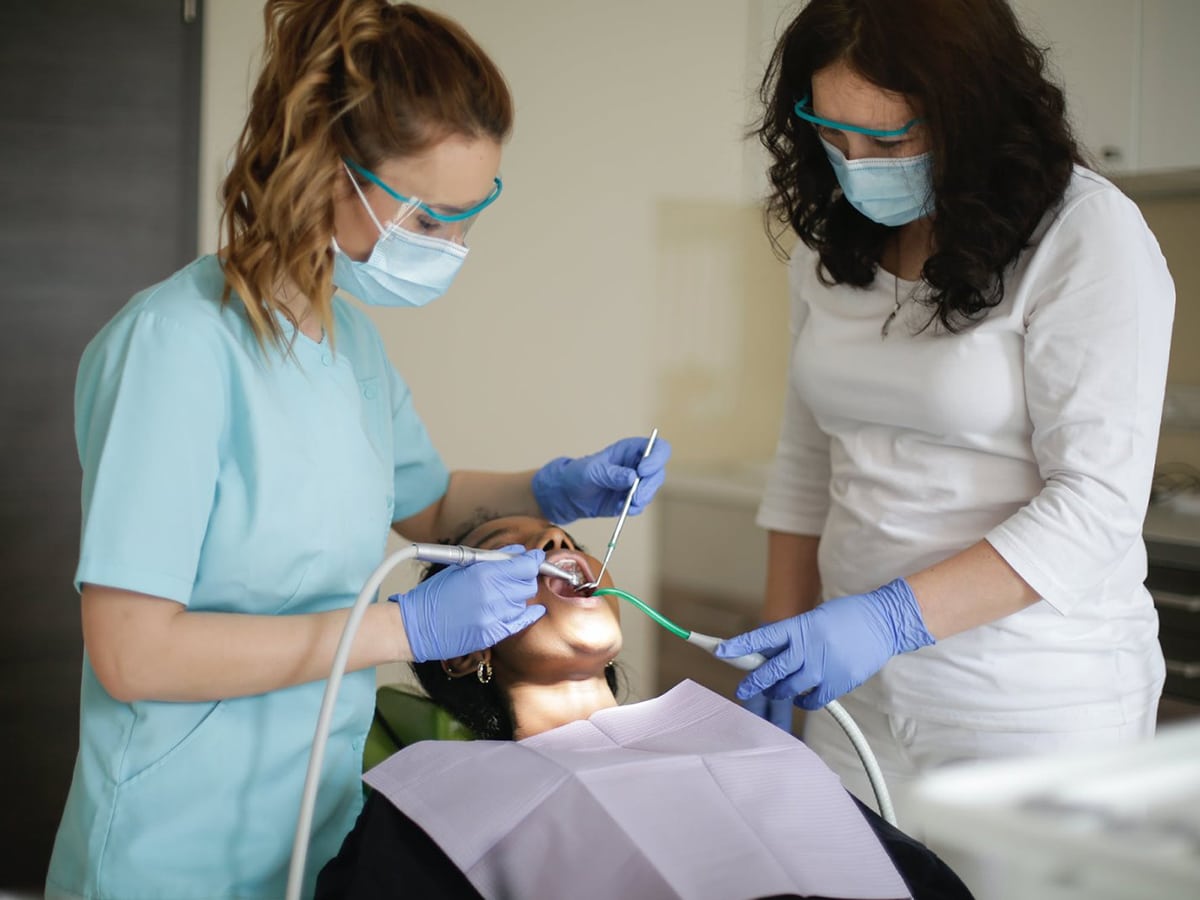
pixel 980 330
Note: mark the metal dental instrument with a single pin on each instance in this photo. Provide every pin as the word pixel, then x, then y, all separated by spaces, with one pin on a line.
pixel 612 543
pixel 458 555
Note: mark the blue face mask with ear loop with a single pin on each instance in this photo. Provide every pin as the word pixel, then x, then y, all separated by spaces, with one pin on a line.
pixel 404 268
pixel 890 191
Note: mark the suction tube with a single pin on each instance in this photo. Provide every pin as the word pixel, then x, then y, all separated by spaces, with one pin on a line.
pixel 312 778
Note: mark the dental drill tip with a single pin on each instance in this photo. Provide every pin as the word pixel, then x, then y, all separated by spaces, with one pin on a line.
pixel 572 578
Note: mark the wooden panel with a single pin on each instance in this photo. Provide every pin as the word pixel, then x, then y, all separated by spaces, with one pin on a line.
pixel 1171 709
pixel 99 108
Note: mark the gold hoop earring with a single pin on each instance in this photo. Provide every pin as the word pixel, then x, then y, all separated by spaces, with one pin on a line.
pixel 484 672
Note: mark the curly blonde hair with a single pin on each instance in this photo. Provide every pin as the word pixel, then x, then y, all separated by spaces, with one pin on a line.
pixel 358 79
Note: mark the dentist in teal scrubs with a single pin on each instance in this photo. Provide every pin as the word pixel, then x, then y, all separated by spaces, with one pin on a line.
pixel 246 445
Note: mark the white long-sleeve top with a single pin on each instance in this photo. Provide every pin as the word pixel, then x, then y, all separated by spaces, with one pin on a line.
pixel 1035 429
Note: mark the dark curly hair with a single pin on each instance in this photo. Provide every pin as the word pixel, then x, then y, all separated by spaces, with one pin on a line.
pixel 1001 146
pixel 484 709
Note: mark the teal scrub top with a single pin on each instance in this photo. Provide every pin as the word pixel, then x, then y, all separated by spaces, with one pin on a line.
pixel 232 480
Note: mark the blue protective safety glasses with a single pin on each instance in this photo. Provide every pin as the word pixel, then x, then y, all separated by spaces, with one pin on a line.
pixel 804 111
pixel 460 216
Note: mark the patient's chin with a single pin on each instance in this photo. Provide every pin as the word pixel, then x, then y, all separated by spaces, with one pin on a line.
pixel 599 636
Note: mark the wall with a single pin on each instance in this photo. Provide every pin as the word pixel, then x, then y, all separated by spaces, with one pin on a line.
pixel 622 281
pixel 1176 223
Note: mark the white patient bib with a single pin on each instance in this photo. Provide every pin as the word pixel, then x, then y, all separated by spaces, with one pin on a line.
pixel 687 795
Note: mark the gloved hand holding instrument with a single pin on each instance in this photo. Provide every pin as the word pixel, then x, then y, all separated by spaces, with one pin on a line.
pixel 461 610
pixel 820 655
pixel 593 486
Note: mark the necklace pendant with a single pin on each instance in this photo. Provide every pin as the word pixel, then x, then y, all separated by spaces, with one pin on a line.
pixel 887 322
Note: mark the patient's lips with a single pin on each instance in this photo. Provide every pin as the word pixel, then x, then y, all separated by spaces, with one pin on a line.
pixel 571 561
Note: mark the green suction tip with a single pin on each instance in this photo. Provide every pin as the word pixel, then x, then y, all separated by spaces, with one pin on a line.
pixel 654 614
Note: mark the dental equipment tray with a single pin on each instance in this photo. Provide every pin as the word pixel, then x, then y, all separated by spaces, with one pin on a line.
pixel 1113 823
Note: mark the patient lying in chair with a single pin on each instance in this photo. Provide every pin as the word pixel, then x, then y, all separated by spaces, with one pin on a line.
pixel 568 794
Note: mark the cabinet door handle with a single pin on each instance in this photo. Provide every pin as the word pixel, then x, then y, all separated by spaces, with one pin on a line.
pixel 1176 601
pixel 1183 669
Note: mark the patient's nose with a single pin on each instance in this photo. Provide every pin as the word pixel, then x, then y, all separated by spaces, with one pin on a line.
pixel 553 538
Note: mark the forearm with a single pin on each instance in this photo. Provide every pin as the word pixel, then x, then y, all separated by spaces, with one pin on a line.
pixel 147 648
pixel 793 581
pixel 469 496
pixel 969 589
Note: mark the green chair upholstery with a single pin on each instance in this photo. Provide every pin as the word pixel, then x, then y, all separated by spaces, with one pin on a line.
pixel 403 717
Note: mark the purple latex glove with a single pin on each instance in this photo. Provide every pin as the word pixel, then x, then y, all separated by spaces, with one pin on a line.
pixel 468 608
pixel 820 655
pixel 777 712
pixel 590 486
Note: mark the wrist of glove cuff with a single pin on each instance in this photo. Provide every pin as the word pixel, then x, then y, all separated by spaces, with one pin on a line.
pixel 418 628
pixel 547 491
pixel 777 712
pixel 902 612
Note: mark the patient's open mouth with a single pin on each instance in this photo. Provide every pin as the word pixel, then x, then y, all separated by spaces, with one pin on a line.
pixel 570 561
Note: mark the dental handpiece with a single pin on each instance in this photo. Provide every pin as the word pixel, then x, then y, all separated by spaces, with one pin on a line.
pixel 458 555
pixel 746 663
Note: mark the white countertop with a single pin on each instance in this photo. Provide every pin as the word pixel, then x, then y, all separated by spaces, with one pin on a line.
pixel 1169 524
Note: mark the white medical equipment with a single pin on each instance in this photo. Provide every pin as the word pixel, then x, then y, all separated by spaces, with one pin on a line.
pixel 1109 823
pixel 458 555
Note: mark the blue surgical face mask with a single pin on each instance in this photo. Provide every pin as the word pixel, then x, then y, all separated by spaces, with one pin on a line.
pixel 404 268
pixel 888 191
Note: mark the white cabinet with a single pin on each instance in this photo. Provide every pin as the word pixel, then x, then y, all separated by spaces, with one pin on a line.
pixel 1132 77
pixel 1169 115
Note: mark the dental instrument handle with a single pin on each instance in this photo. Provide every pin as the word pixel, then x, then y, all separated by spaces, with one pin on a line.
pixel 571 578
pixel 312 777
pixel 458 555
pixel 746 663
pixel 637 479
